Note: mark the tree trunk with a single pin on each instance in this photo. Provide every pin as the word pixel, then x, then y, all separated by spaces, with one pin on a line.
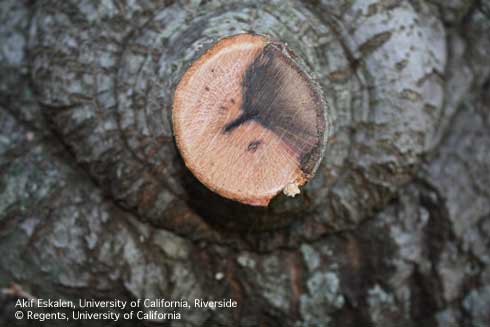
pixel 95 201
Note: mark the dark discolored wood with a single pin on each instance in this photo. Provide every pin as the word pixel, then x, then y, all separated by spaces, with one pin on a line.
pixel 248 120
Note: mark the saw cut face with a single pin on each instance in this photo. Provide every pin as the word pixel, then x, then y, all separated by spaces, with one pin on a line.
pixel 248 121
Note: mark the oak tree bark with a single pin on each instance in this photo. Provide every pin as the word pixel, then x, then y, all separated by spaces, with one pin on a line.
pixel 95 201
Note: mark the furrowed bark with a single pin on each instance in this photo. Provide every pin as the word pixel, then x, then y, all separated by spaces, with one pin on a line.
pixel 95 200
pixel 383 106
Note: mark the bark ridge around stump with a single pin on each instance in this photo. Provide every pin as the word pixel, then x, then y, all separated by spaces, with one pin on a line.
pixel 248 120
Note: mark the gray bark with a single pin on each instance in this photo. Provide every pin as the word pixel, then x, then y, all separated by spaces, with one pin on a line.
pixel 95 201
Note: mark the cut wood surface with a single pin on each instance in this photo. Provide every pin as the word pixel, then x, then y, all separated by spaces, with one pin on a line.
pixel 248 121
